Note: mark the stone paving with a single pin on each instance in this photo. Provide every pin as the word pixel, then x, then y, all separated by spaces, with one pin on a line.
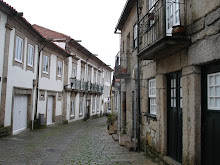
pixel 80 142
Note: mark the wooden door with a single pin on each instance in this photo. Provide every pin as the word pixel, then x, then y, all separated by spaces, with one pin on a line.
pixel 211 115
pixel 174 114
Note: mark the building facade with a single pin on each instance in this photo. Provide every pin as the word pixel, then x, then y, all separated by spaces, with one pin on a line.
pixel 169 68
pixel 45 79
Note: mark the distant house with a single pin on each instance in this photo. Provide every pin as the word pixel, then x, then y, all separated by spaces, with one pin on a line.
pixel 168 66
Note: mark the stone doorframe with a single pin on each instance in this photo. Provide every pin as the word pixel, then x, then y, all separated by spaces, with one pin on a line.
pixel 191 88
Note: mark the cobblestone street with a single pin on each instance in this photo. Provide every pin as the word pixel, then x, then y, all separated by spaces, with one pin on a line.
pixel 79 142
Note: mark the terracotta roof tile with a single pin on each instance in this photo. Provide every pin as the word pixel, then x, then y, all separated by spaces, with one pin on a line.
pixel 47 33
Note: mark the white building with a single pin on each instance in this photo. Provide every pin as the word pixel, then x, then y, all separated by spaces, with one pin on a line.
pixel 43 82
pixel 88 95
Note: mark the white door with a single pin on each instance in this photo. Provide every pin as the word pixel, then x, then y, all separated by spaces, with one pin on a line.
pixel 49 110
pixel 20 113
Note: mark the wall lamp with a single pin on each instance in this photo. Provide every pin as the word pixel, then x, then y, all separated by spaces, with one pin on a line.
pixel 72 81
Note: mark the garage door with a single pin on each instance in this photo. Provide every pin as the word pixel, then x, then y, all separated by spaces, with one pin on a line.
pixel 50 110
pixel 20 113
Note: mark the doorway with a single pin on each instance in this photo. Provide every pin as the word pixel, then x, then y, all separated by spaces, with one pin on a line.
pixel 211 115
pixel 174 116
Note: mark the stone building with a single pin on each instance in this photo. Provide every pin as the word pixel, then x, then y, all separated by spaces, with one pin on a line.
pixel 169 67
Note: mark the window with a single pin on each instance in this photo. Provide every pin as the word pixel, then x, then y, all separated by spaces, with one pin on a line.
pixel 81 108
pixel 93 105
pixel 19 49
pixel 214 91
pixel 82 75
pixel 45 64
pixel 98 100
pixel 30 55
pixel 151 12
pixel 74 72
pixel 59 69
pixel 72 110
pixel 172 14
pixel 135 36
pixel 152 97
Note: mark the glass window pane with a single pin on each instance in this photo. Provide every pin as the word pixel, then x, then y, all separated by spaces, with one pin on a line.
pixel 171 92
pixel 181 103
pixel 174 92
pixel 217 91
pixel 211 91
pixel 211 102
pixel 181 95
pixel 211 80
pixel 174 102
pixel 217 102
pixel 217 79
pixel 171 102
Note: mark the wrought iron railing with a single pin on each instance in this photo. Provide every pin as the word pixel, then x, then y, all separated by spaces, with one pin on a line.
pixel 78 84
pixel 122 63
pixel 159 20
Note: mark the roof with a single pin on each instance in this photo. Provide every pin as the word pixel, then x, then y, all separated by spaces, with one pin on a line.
pixel 47 33
pixel 50 34
pixel 125 13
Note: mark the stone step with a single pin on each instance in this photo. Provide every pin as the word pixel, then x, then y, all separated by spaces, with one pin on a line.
pixel 115 137
pixel 3 132
pixel 129 145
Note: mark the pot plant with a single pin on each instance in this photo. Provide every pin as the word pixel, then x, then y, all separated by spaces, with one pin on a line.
pixel 111 120
pixel 178 30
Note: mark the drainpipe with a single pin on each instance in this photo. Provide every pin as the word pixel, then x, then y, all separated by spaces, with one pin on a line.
pixel 138 81
pixel 37 82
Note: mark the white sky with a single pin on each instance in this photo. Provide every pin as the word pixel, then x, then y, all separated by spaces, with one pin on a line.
pixel 92 21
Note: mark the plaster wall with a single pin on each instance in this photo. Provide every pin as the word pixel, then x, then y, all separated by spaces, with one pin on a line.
pixel 18 77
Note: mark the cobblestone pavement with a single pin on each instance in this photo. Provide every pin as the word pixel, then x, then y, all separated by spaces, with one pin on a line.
pixel 80 142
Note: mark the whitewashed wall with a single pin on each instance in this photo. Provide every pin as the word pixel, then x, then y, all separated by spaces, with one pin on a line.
pixel 18 77
pixel 51 84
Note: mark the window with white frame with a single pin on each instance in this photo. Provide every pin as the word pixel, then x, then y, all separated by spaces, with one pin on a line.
pixel 151 12
pixel 152 97
pixel 98 101
pixel 72 110
pixel 74 72
pixel 46 64
pixel 83 75
pixel 80 107
pixel 214 91
pixel 135 31
pixel 59 69
pixel 93 104
pixel 19 49
pixel 30 55
pixel 172 14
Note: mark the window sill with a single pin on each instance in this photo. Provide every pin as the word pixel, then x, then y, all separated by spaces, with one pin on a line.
pixel 19 61
pixel 45 72
pixel 151 116
pixel 31 66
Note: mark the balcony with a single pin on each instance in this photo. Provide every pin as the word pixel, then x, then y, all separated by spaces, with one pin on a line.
pixel 83 86
pixel 162 30
pixel 122 69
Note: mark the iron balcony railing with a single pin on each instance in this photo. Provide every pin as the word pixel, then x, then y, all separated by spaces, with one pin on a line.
pixel 122 65
pixel 83 86
pixel 160 20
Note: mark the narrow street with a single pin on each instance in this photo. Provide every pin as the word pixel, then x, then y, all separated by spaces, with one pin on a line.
pixel 80 142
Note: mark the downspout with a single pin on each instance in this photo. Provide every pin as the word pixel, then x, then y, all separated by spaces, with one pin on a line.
pixel 37 83
pixel 138 81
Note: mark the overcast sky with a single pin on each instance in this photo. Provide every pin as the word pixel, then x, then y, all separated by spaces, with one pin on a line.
pixel 92 21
